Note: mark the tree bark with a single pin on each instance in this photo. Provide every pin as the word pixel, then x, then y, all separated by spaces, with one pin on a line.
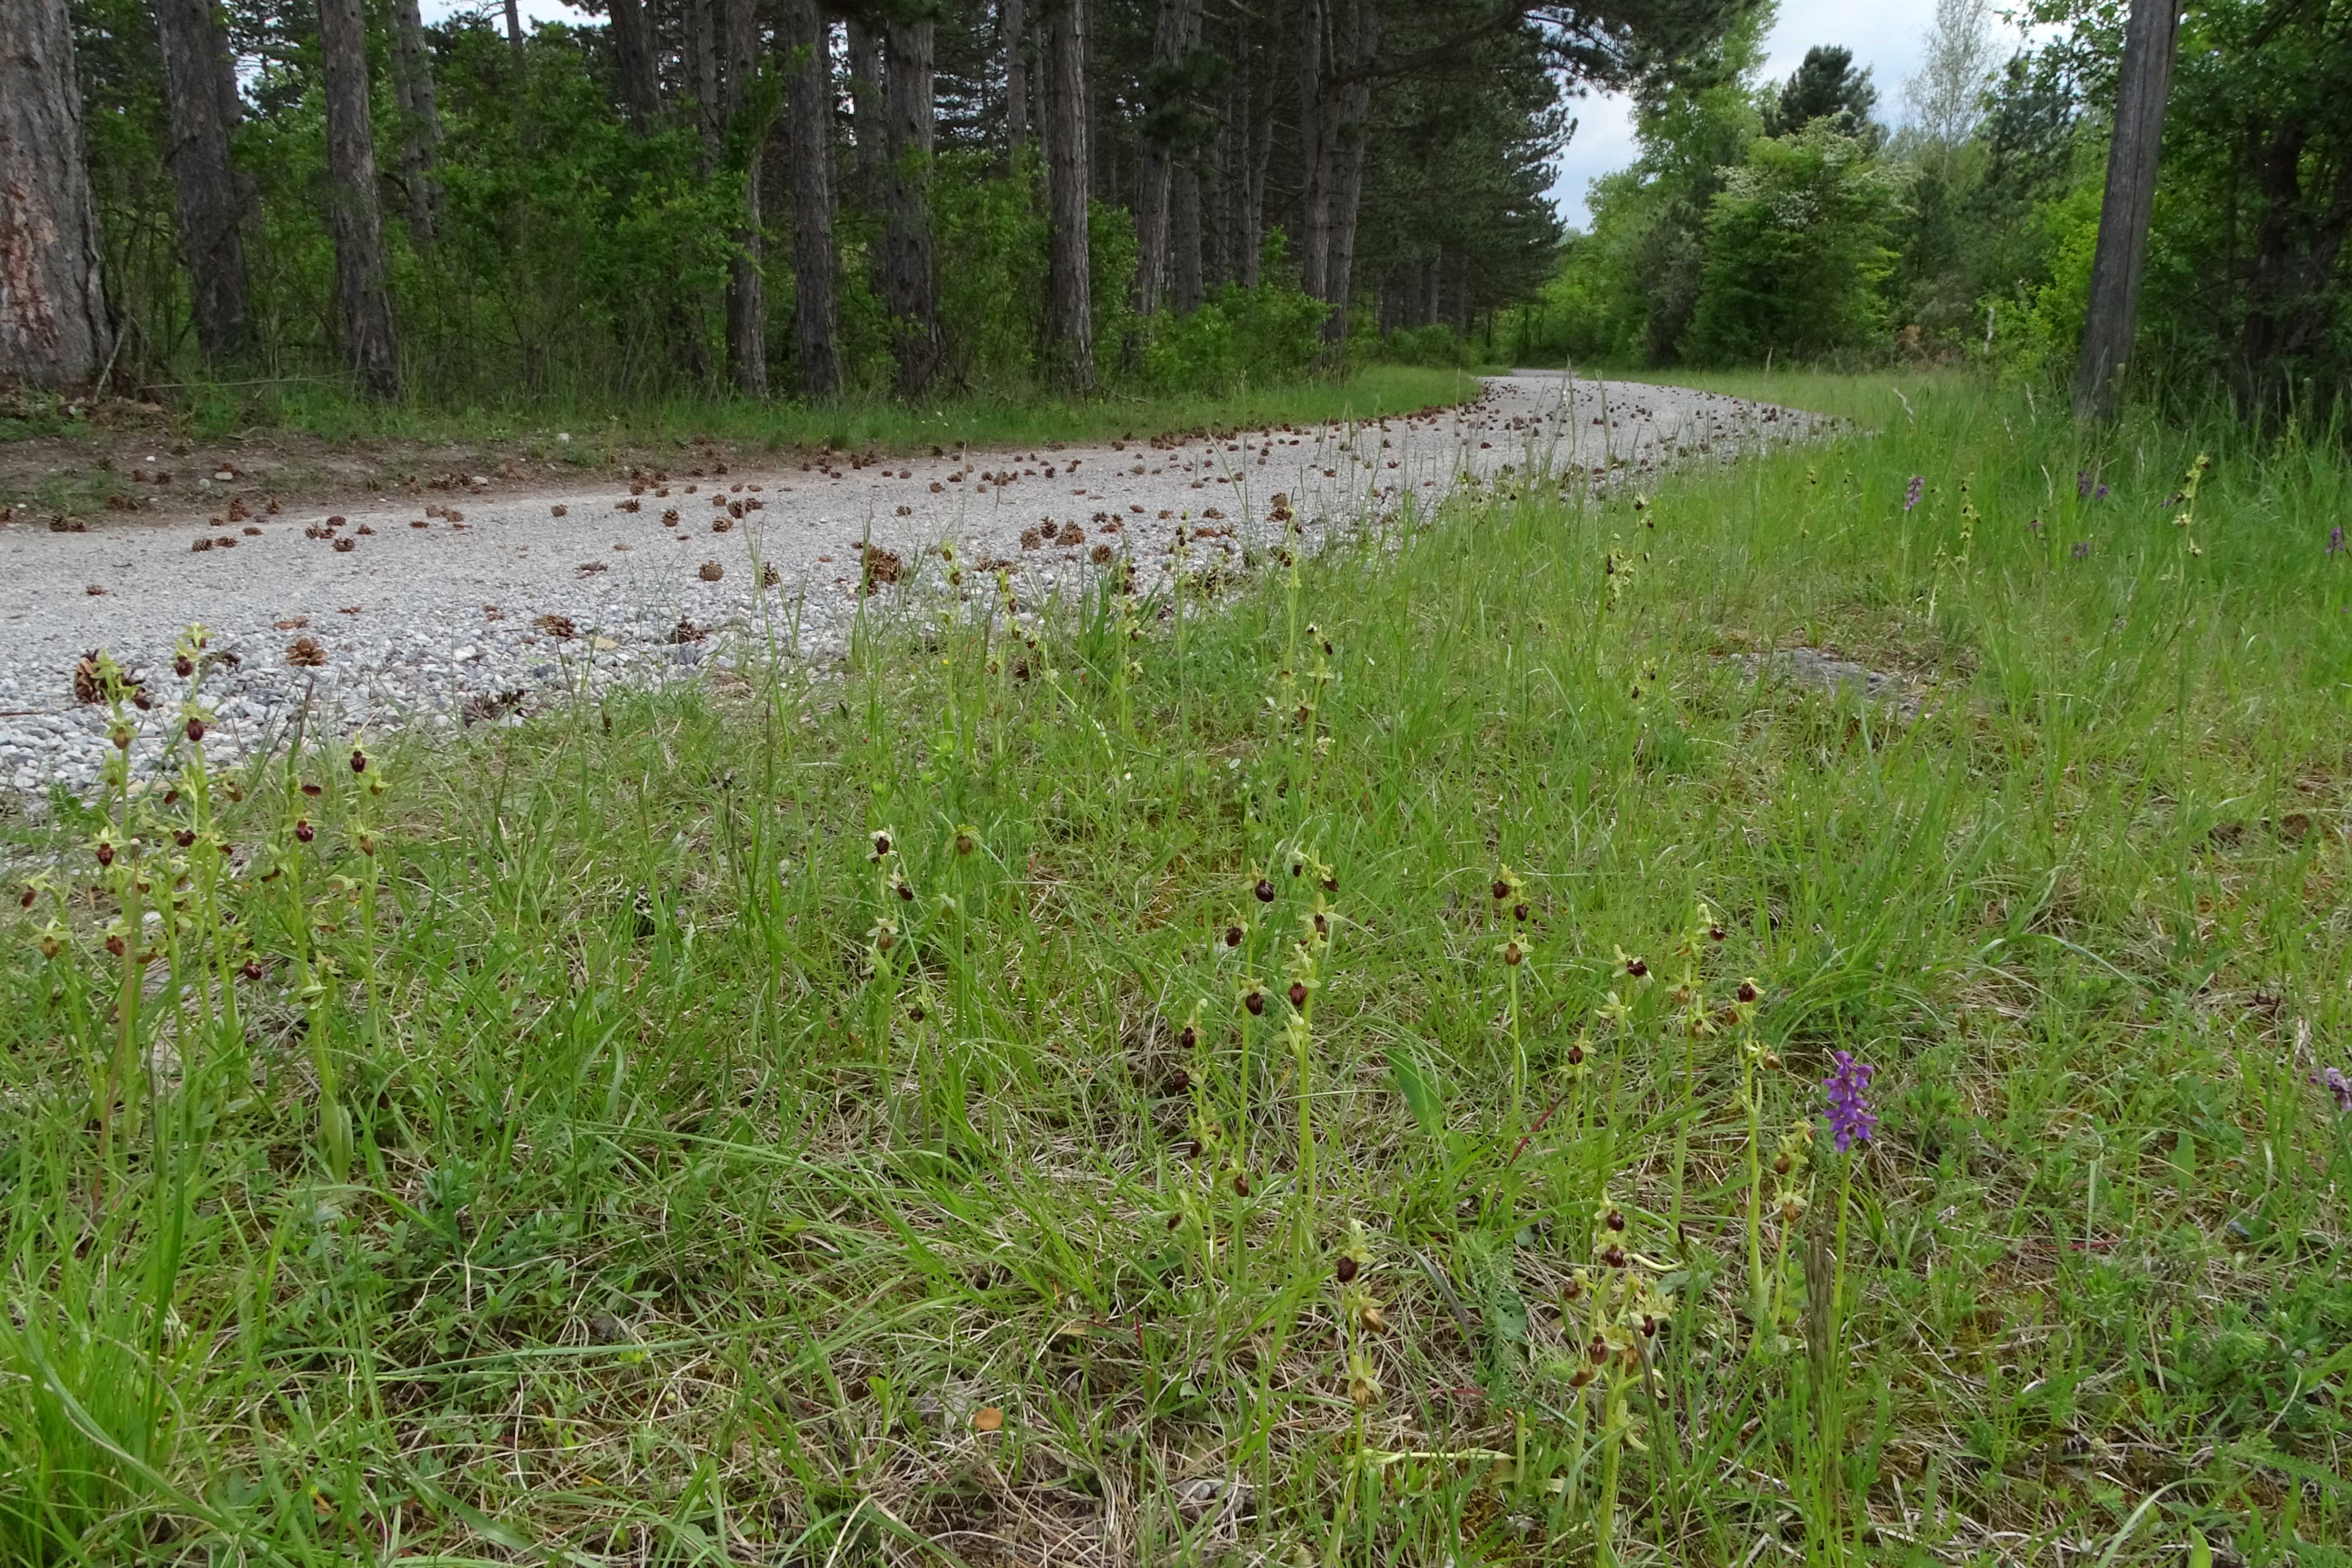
pixel 514 34
pixel 815 315
pixel 747 294
pixel 702 71
pixel 2291 263
pixel 640 81
pixel 2121 258
pixel 1317 111
pixel 1257 153
pixel 1185 235
pixel 200 100
pixel 865 112
pixel 1011 20
pixel 910 278
pixel 1163 133
pixel 420 117
pixel 53 323
pixel 1360 34
pixel 1070 323
pixel 362 303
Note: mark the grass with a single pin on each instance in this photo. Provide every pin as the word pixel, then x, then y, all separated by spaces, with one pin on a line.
pixel 624 1155
pixel 207 411
pixel 327 442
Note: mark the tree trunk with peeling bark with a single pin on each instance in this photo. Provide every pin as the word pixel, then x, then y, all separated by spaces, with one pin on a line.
pixel 53 323
pixel 816 318
pixel 363 300
pixel 1069 325
pixel 911 280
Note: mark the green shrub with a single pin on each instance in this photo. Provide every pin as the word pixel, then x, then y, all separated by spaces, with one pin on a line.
pixel 1794 249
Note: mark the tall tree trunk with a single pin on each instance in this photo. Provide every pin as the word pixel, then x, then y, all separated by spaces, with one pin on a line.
pixel 1257 159
pixel 514 37
pixel 815 311
pixel 633 42
pixel 702 74
pixel 420 120
pixel 1218 195
pixel 1163 133
pixel 362 301
pixel 1012 22
pixel 1361 37
pixel 1069 319
pixel 747 294
pixel 867 116
pixel 2116 265
pixel 1185 235
pixel 200 98
pixel 1317 111
pixel 910 277
pixel 53 324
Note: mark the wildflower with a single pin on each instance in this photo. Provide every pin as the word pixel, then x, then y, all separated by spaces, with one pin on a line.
pixel 2334 1081
pixel 1264 890
pixel 1911 492
pixel 2082 550
pixel 2336 540
pixel 1851 1120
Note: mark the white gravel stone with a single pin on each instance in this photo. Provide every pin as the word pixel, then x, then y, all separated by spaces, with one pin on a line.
pixel 405 617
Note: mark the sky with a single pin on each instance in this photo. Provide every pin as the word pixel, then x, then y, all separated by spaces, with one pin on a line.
pixel 1885 35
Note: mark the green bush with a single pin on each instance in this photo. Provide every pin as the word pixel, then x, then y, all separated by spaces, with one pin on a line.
pixel 1795 247
pixel 1435 344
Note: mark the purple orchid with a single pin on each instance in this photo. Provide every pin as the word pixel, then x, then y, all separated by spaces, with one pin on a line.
pixel 1912 493
pixel 2336 540
pixel 1851 1120
pixel 2082 550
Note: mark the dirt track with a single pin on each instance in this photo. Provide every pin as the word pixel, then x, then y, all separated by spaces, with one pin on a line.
pixel 470 612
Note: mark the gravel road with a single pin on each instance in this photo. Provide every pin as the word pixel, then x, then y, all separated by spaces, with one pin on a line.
pixel 475 603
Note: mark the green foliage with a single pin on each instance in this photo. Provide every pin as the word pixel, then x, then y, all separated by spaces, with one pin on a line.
pixel 1795 250
pixel 1432 345
pixel 661 1155
pixel 992 236
pixel 1825 86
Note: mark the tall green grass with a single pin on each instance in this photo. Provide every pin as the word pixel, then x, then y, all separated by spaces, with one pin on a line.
pixel 624 1155
pixel 978 420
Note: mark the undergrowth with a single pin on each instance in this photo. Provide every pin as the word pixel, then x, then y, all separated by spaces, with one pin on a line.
pixel 1328 1073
